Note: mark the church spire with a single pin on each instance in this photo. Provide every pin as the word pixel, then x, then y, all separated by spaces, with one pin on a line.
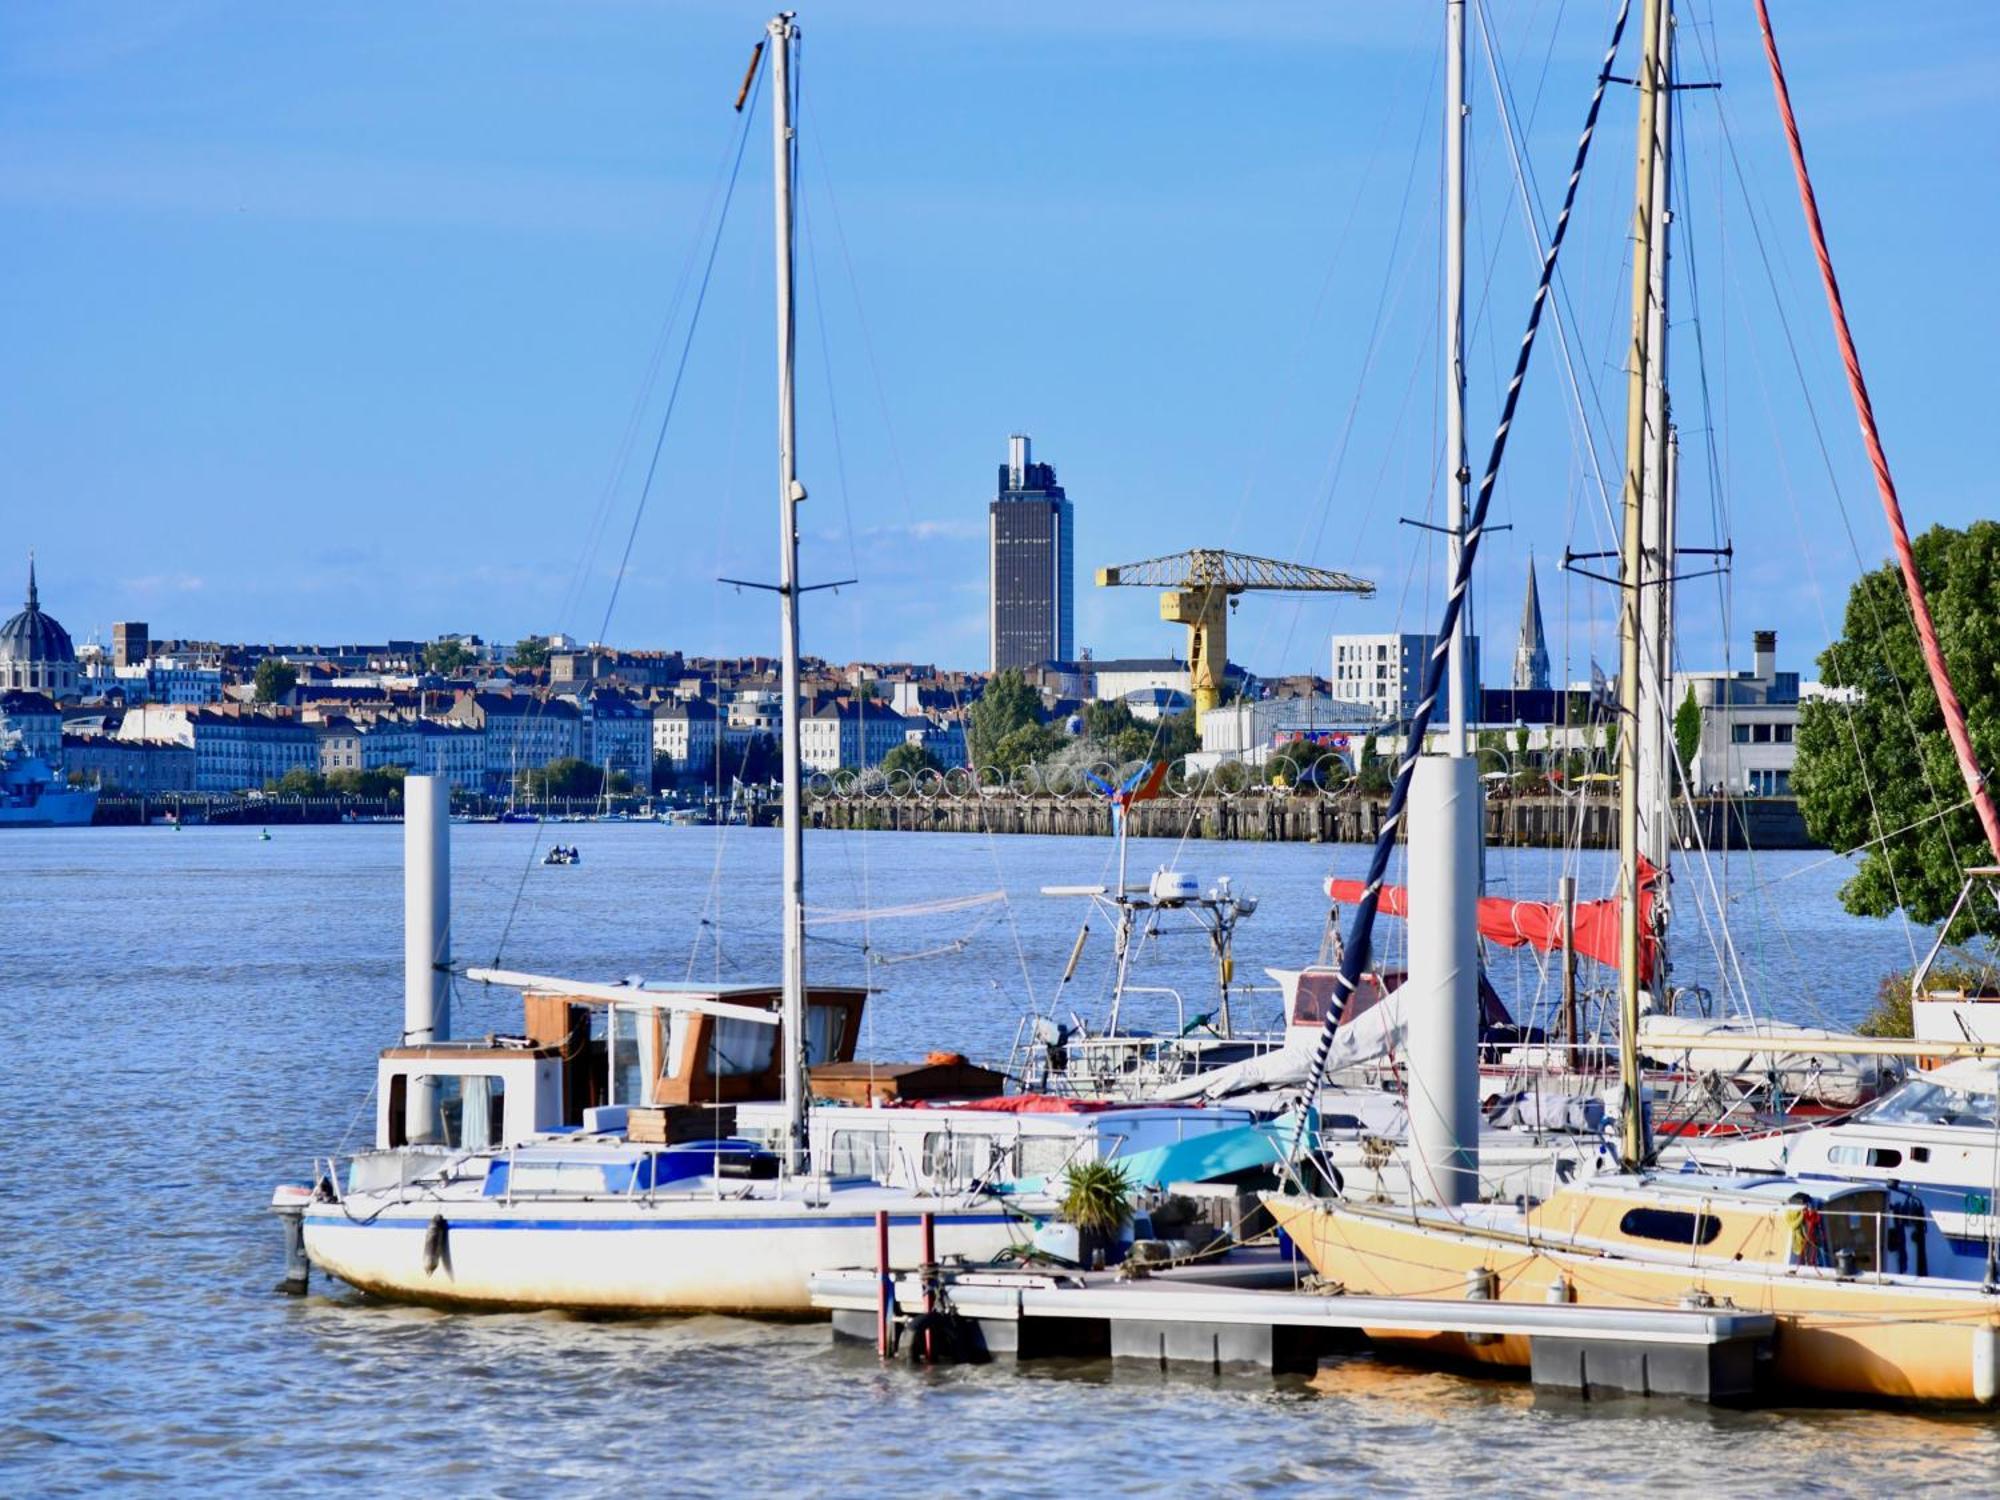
pixel 34 602
pixel 1531 656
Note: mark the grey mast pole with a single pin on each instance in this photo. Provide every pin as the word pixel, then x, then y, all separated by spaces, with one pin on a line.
pixel 1446 829
pixel 426 936
pixel 1457 471
pixel 790 493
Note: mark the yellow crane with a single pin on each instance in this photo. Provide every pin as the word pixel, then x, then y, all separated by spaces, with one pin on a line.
pixel 1200 586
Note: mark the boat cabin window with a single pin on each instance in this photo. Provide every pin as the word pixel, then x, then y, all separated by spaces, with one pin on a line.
pixel 950 1158
pixel 1670 1226
pixel 1045 1155
pixel 858 1153
pixel 1923 1102
pixel 1865 1156
pixel 739 1047
pixel 623 1026
pixel 825 1026
pixel 471 1112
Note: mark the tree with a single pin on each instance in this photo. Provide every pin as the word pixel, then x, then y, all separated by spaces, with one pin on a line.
pixel 1007 705
pixel 300 781
pixel 1687 732
pixel 529 651
pixel 566 777
pixel 909 756
pixel 1880 767
pixel 1026 746
pixel 1106 719
pixel 1371 771
pixel 447 656
pixel 760 761
pixel 1179 736
pixel 274 680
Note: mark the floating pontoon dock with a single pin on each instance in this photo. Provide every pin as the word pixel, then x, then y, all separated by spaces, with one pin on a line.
pixel 1244 1313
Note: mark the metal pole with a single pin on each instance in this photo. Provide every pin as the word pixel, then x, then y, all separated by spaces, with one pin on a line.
pixel 790 492
pixel 885 1287
pixel 1632 1142
pixel 1566 893
pixel 1443 986
pixel 1458 471
pixel 426 937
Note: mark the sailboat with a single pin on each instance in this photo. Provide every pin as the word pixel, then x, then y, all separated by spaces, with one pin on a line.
pixel 1832 1261
pixel 480 1193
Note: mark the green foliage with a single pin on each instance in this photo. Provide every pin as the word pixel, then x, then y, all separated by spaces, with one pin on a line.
pixel 567 777
pixel 1178 736
pixel 1881 768
pixel 909 756
pixel 446 657
pixel 1687 731
pixel 300 781
pixel 1007 707
pixel 529 651
pixel 1097 1197
pixel 759 762
pixel 1107 720
pixel 1372 776
pixel 384 781
pixel 274 679
pixel 1026 746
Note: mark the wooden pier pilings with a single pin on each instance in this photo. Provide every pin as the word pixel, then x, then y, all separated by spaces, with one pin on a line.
pixel 1267 817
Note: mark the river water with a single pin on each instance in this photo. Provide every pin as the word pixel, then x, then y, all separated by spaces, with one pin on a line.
pixel 190 1016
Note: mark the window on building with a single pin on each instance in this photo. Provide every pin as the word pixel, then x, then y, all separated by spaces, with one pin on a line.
pixel 1739 734
pixel 1760 734
pixel 1783 733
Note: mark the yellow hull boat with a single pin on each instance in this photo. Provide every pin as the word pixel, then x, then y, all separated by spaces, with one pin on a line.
pixel 1812 1255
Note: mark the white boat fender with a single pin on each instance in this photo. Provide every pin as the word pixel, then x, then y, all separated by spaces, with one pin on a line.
pixel 1986 1364
pixel 437 1246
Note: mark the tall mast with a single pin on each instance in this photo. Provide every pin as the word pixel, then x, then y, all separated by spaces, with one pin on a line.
pixel 1632 1143
pixel 1459 713
pixel 790 493
pixel 1657 545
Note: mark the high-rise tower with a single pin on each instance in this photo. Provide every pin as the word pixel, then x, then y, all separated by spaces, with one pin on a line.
pixel 1030 565
pixel 1531 656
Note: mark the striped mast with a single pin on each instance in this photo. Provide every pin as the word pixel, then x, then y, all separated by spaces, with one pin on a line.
pixel 1354 956
pixel 1885 484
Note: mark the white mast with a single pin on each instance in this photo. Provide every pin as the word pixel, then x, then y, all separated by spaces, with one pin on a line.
pixel 790 492
pixel 1458 474
pixel 1657 542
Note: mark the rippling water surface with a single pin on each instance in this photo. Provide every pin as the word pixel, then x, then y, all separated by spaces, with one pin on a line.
pixel 191 1016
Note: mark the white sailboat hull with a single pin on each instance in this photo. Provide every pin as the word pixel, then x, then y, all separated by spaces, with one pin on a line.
pixel 750 1256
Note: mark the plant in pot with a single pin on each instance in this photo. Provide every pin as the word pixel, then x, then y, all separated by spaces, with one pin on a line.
pixel 1097 1200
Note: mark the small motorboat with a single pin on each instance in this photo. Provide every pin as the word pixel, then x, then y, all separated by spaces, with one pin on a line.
pixel 563 854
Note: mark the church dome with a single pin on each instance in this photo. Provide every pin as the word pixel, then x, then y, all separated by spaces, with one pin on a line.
pixel 36 653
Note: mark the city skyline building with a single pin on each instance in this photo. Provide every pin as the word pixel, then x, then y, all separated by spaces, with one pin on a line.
pixel 1030 565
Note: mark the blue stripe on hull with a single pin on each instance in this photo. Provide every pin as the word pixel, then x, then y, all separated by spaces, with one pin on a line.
pixel 861 1221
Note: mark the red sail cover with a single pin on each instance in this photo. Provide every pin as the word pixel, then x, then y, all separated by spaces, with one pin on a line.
pixel 1538 924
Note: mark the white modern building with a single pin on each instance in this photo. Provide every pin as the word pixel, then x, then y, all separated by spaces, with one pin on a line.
pixel 1386 672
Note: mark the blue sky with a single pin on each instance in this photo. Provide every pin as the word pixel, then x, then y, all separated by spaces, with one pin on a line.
pixel 335 322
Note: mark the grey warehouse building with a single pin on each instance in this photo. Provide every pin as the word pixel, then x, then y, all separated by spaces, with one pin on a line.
pixel 1030 565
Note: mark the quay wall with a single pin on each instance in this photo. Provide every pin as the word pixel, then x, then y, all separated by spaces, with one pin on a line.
pixel 1544 822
